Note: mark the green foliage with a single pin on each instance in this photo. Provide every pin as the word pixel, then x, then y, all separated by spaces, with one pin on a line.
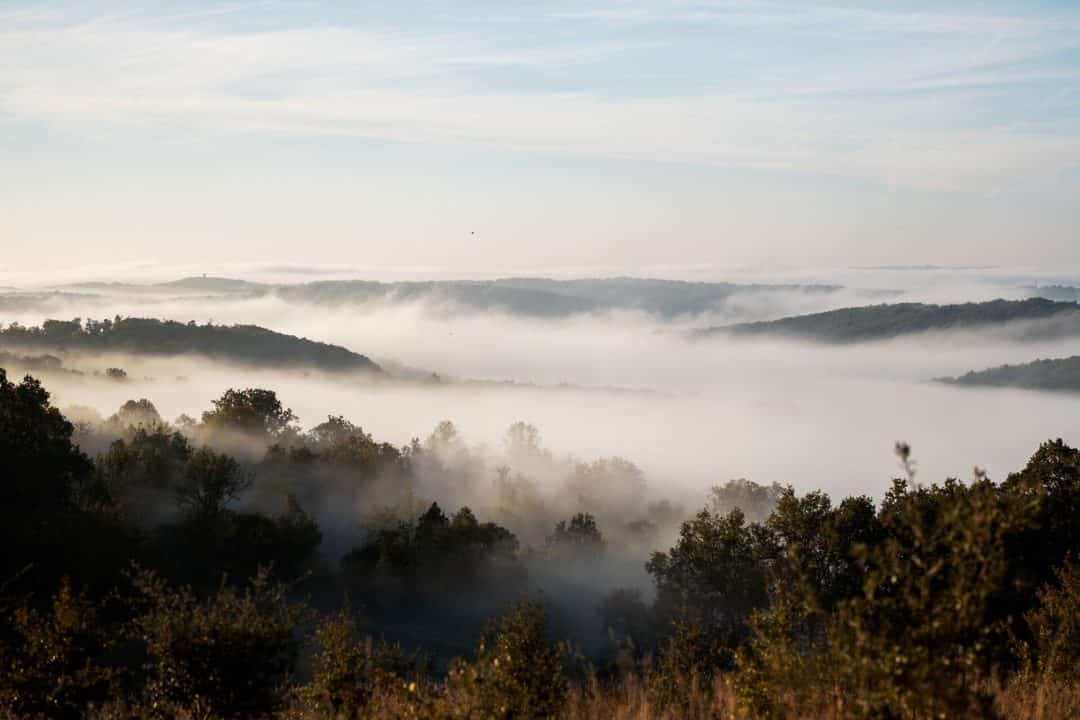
pixel 783 667
pixel 230 653
pixel 133 476
pixel 692 655
pixel 630 626
pixel 1053 476
pixel 920 639
pixel 917 609
pixel 412 562
pixel 580 538
pixel 209 483
pixel 40 464
pixel 41 473
pixel 251 411
pixel 610 484
pixel 347 672
pixel 716 574
pixel 54 664
pixel 287 543
pixel 516 673
pixel 818 544
pixel 755 501
pixel 136 413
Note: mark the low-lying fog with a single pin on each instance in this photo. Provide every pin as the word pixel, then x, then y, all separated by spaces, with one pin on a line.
pixel 701 411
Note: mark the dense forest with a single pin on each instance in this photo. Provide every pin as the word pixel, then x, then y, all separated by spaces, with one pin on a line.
pixel 1052 374
pixel 239 566
pixel 1048 319
pixel 247 344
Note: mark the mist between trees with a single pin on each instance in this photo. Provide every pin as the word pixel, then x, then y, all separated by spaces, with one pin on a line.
pixel 237 566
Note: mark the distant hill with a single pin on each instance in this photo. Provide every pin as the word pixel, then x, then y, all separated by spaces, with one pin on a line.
pixel 880 322
pixel 1062 293
pixel 534 297
pixel 543 297
pixel 1062 374
pixel 247 344
pixel 213 284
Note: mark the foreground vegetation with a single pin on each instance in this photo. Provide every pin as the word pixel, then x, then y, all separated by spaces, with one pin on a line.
pixel 152 581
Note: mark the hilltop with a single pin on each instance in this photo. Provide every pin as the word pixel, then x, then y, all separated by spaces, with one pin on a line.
pixel 881 322
pixel 249 344
pixel 1060 374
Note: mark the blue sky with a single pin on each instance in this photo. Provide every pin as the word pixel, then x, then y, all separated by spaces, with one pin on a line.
pixel 646 137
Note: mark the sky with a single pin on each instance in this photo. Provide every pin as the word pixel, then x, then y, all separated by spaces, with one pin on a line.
pixel 660 137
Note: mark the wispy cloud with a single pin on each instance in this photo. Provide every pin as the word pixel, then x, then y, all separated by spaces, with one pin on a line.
pixel 899 111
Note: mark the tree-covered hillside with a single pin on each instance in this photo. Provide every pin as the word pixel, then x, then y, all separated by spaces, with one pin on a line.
pixel 318 574
pixel 247 344
pixel 1051 374
pixel 881 322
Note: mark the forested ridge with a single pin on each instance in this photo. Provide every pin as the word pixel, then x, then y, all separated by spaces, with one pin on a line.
pixel 247 344
pixel 881 322
pixel 1049 374
pixel 239 566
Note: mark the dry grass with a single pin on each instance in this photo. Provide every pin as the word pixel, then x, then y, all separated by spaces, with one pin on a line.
pixel 1041 700
pixel 628 700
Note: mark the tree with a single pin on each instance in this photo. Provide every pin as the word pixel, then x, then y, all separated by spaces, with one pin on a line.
pixel 134 477
pixel 335 430
pixel 818 544
pixel 40 465
pixel 40 473
pixel 923 639
pixel 57 667
pixel 347 671
pixel 1052 478
pixel 445 440
pixel 516 674
pixel 210 482
pixel 577 539
pixel 756 501
pixel 1055 626
pixel 134 413
pixel 230 652
pixel 717 573
pixel 613 484
pixel 252 411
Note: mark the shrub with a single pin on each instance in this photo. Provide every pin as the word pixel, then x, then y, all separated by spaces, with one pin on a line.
pixel 693 654
pixel 55 668
pixel 1055 625
pixel 230 653
pixel 922 639
pixel 347 672
pixel 516 674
